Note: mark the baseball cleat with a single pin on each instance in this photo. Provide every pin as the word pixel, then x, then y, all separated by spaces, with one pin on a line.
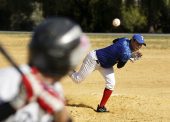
pixel 101 109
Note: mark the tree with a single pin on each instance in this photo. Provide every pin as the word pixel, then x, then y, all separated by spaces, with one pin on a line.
pixel 133 19
pixel 4 15
pixel 103 12
pixel 165 17
pixel 152 11
pixel 21 11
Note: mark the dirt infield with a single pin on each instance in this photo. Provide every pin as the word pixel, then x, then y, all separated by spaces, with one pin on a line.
pixel 142 91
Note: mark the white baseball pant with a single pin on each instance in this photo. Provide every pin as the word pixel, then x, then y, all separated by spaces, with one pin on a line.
pixel 89 65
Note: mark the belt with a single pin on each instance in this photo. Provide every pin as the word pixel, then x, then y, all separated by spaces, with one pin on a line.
pixel 97 61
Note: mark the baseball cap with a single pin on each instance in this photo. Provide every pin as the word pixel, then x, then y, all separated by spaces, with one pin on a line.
pixel 139 38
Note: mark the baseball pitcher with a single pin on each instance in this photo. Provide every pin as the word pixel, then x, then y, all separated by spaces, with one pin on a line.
pixel 103 60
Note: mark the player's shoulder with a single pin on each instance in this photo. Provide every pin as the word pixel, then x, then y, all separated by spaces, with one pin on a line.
pixel 125 47
pixel 121 41
pixel 10 79
pixel 8 73
pixel 124 41
pixel 11 70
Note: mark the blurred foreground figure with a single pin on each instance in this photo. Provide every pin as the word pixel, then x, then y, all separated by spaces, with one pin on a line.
pixel 37 96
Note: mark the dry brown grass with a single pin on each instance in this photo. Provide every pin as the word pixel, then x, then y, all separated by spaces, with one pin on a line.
pixel 16 45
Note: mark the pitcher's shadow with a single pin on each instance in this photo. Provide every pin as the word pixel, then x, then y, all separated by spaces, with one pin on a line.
pixel 81 105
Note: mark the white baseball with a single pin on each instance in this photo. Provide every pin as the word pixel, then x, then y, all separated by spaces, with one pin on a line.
pixel 116 22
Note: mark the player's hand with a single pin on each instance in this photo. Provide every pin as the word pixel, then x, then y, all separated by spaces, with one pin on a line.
pixel 48 99
pixel 46 96
pixel 33 89
pixel 135 56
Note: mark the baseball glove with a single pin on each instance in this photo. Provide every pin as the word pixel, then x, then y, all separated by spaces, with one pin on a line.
pixel 135 56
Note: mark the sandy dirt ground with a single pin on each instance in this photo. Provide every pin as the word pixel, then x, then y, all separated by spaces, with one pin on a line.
pixel 142 92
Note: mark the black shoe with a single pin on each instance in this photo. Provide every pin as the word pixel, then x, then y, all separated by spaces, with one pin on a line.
pixel 101 109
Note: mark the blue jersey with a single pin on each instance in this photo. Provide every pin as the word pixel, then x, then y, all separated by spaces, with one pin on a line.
pixel 120 51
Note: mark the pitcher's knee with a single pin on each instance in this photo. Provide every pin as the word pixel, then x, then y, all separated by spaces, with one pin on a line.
pixel 110 86
pixel 77 78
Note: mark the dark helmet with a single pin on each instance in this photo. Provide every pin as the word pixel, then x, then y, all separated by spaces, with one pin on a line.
pixel 57 46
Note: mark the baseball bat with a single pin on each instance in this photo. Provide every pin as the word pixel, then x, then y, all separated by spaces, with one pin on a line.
pixel 9 59
pixel 26 78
